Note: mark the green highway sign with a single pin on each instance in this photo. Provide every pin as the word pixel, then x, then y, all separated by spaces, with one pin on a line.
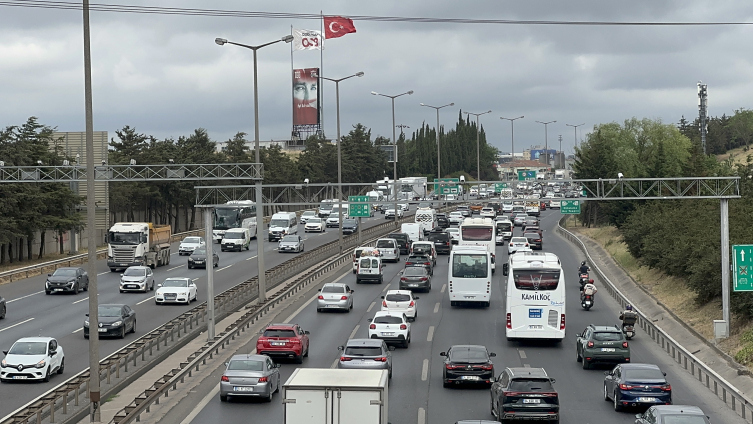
pixel 585 193
pixel 570 207
pixel 358 206
pixel 526 175
pixel 498 187
pixel 742 267
pixel 447 185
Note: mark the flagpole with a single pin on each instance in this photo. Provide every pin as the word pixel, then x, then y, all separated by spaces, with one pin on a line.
pixel 321 72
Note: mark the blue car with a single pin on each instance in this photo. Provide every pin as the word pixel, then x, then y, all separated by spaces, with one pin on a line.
pixel 631 385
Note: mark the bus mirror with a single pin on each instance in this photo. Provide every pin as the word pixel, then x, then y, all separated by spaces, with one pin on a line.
pixel 505 268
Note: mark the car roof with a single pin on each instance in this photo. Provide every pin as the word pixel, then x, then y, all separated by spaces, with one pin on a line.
pixel 35 339
pixel 249 356
pixel 388 314
pixel 177 278
pixel 365 342
pixel 474 347
pixel 138 267
pixel 334 285
pixel 69 267
pixel 605 328
pixel 120 305
pixel 640 367
pixel 280 326
pixel 398 292
pixel 678 409
pixel 521 372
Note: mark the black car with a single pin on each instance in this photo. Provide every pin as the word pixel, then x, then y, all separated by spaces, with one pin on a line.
pixel 350 226
pixel 420 259
pixel 630 385
pixel 415 278
pixel 525 394
pixel 114 320
pixel 467 364
pixel 534 240
pixel 443 222
pixel 442 241
pixel 661 414
pixel 2 307
pixel 198 258
pixel 403 242
pixel 67 279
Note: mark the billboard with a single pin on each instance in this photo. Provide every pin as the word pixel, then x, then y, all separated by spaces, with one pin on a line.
pixel 537 153
pixel 306 96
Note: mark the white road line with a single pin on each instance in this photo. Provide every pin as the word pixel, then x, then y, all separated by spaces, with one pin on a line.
pixel 252 257
pixel 436 307
pixel 176 267
pixel 444 286
pixel 385 288
pixel 24 297
pixel 425 370
pixel 308 302
pixel 15 325
pixel 334 364
pixel 430 337
pixel 522 354
pixel 421 416
pixel 200 407
pixel 145 300
pixel 102 273
pixel 221 269
pixel 80 300
pixel 353 333
pixel 80 329
pixel 371 306
pixel 194 279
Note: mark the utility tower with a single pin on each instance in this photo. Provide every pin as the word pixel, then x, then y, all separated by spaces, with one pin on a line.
pixel 703 104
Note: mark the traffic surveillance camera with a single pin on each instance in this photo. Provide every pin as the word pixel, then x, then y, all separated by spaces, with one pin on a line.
pixel 462 178
pixel 104 162
pixel 619 175
pixel 133 162
pixel 171 160
pixel 306 181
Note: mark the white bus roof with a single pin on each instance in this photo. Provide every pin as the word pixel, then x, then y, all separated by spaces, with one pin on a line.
pixel 468 248
pixel 522 260
pixel 478 221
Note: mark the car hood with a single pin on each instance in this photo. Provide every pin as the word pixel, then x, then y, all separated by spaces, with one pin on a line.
pixel 61 279
pixel 189 245
pixel 24 359
pixel 277 229
pixel 313 224
pixel 289 243
pixel 198 257
pixel 233 241
pixel 126 279
pixel 108 320
pixel 177 290
pixel 349 226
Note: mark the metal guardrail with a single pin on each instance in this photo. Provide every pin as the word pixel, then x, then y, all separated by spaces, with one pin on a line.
pixel 724 390
pixel 71 400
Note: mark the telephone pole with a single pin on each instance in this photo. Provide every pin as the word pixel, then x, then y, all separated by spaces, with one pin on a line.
pixel 703 104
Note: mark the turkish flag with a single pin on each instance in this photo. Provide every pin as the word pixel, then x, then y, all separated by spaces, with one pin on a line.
pixel 337 26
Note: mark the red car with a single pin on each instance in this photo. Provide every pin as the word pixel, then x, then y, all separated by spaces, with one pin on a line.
pixel 543 206
pixel 284 341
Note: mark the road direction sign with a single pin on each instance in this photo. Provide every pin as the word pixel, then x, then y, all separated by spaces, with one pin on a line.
pixel 570 207
pixel 359 206
pixel 526 175
pixel 742 267
pixel 447 185
pixel 498 187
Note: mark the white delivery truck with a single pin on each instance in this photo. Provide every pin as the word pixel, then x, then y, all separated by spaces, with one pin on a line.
pixel 413 188
pixel 335 396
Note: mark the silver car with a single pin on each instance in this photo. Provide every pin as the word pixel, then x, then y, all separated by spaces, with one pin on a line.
pixel 250 376
pixel 520 219
pixel 306 215
pixel 137 278
pixel 335 296
pixel 290 243
pixel 366 354
pixel 388 249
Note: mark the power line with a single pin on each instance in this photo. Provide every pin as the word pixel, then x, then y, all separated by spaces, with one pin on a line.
pixel 121 8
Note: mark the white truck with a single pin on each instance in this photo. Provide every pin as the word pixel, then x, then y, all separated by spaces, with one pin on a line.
pixel 559 174
pixel 335 396
pixel 533 207
pixel 138 243
pixel 412 188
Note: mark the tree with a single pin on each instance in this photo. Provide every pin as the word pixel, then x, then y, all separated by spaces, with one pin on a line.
pixel 237 149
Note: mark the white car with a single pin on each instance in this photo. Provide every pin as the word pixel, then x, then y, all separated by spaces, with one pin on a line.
pixel 506 207
pixel 401 302
pixel 306 215
pixel 333 220
pixel 518 244
pixel 520 219
pixel 390 327
pixel 454 235
pixel 390 213
pixel 137 278
pixel 314 224
pixel 403 206
pixel 32 358
pixel 488 213
pixel 456 218
pixel 175 290
pixel 388 249
pixel 189 244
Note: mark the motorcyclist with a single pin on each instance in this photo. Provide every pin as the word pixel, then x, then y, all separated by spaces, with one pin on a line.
pixel 589 289
pixel 583 268
pixel 628 316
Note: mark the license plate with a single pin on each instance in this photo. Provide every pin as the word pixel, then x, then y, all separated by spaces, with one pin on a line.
pixel 607 349
pixel 243 389
pixel 534 313
pixel 133 286
pixel 469 377
pixel 278 343
pixel 531 400
pixel 58 290
pixel 413 285
pixel 102 330
pixel 19 377
pixel 646 399
pixel 470 297
pixel 332 306
pixel 388 334
pixel 535 327
pixel 199 262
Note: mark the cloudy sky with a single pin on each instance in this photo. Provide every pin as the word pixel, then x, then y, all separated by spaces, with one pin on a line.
pixel 165 76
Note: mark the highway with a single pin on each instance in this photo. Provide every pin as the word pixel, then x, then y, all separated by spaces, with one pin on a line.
pixel 416 394
pixel 32 313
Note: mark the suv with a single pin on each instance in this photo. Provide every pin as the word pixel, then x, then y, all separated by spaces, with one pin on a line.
pixel 403 242
pixel 602 344
pixel 442 241
pixel 524 394
pixel 422 260
pixel 366 354
pixel 285 341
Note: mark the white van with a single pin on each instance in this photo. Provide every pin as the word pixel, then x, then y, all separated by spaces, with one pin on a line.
pixel 369 268
pixel 282 224
pixel 427 217
pixel 236 239
pixel 414 231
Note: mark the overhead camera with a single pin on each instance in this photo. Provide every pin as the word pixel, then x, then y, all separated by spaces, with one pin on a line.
pixel 306 181
pixel 619 175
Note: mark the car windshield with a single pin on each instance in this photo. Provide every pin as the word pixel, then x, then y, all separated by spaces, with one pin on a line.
pixel 333 289
pixel 314 221
pixel 108 311
pixel 439 237
pixel 468 354
pixel 683 419
pixel 519 240
pixel 229 235
pixel 175 283
pixel 469 266
pixel 363 351
pixel 422 248
pixel 385 244
pixel 199 252
pixel 245 365
pixel 414 271
pixel 290 238
pixel 278 223
pixel 365 263
pixel 350 222
pixel 531 236
pixel 642 374
pixel 607 336
pixel 279 333
pixel 531 385
pixel 195 240
pixel 308 213
pixel 397 297
pixel 134 272
pixel 28 348
pixel 60 272
pixel 387 319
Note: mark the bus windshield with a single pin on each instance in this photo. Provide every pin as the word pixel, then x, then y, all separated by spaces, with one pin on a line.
pixel 476 233
pixel 528 279
pixel 470 266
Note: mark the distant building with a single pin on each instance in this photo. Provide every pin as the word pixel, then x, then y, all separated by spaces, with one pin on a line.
pixel 509 170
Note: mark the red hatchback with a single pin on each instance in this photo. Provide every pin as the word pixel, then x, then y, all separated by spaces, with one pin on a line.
pixel 284 341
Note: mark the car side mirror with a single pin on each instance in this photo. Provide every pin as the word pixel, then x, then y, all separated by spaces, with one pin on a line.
pixel 159 285
pixel 87 315
pixel 5 352
pixel 607 373
pixel 193 285
pixel 553 380
pixel 340 347
pixel 382 297
pixel 352 291
pixel 505 269
pixel 448 260
pixel 493 379
pixel 368 319
pixel 227 363
pixel 306 332
pixel 49 275
pixel 319 290
pixel 442 353
pixel 638 417
pixel 53 352
pixel 492 355
pixel 122 275
pixel 664 373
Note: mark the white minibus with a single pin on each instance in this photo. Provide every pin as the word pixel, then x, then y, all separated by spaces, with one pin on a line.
pixel 470 276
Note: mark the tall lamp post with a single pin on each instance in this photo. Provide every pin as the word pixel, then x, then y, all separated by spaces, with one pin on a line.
pixel 512 135
pixel 339 159
pixel 259 200
pixel 478 148
pixel 546 140
pixel 575 129
pixel 439 173
pixel 394 143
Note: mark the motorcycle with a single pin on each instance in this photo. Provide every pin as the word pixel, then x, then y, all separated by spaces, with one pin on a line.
pixel 629 331
pixel 586 301
pixel 582 280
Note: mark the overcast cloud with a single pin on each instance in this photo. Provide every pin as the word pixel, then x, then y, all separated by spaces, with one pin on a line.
pixel 165 76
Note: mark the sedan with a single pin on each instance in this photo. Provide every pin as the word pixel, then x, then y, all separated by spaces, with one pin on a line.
pixel 454 235
pixel 333 220
pixel 114 320
pixel 636 385
pixel 366 354
pixel 335 296
pixel 290 243
pixel 2 307
pixel 32 358
pixel 137 278
pixel 189 244
pixel 306 215
pixel 314 224
pixel 415 278
pixel 67 279
pixel 401 302
pixel 518 244
pixel 175 290
pixel 667 414
pixel 198 258
pixel 467 364
pixel 534 240
pixel 350 226
pixel 250 376
pixel 519 219
pixel 390 214
pixel 403 206
pixel 456 217
pixel 420 260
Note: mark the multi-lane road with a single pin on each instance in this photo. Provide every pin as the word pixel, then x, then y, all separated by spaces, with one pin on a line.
pixel 416 394
pixel 32 313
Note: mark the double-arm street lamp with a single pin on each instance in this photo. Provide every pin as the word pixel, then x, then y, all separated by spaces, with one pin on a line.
pixel 478 148
pixel 575 128
pixel 339 157
pixel 394 143
pixel 512 135
pixel 546 140
pixel 439 172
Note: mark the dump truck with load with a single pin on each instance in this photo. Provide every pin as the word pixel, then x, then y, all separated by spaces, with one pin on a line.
pixel 138 243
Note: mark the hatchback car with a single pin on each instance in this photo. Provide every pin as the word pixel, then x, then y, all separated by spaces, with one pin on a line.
pixel 113 320
pixel 306 215
pixel 390 213
pixel 32 358
pixel 137 278
pixel 599 344
pixel 176 290
pixel 388 249
pixel 442 241
pixel 250 376
pixel 488 213
pixel 401 302
pixel 669 414
pixel 415 278
pixel 467 364
pixel 198 258
pixel 290 243
pixel 629 385
pixel 425 248
pixel 189 244
pixel 390 327
pixel 67 279
pixel 366 354
pixel 284 341
pixel 334 296
pixel 350 226
pixel 534 240
pixel 525 394
pixel 518 244
pixel 314 224
pixel 420 260
pixel 464 210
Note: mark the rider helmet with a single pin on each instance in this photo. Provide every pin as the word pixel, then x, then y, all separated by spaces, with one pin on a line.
pixel 629 307
pixel 583 263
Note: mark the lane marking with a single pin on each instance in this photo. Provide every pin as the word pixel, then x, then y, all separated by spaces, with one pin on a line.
pixel 80 329
pixel 371 306
pixel 436 307
pixel 425 370
pixel 24 297
pixel 522 354
pixel 334 364
pixel 102 273
pixel 386 287
pixel 194 279
pixel 252 257
pixel 221 269
pixel 430 337
pixel 444 286
pixel 145 300
pixel 308 302
pixel 353 333
pixel 80 300
pixel 200 407
pixel 421 416
pixel 16 325
pixel 179 266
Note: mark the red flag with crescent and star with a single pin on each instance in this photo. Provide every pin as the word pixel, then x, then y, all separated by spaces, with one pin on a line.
pixel 337 26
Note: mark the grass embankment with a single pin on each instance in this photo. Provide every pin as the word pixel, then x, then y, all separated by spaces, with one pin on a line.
pixel 739 155
pixel 675 296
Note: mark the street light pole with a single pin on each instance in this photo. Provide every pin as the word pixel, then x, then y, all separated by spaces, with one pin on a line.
pixel 439 172
pixel 259 200
pixel 512 135
pixel 394 143
pixel 546 140
pixel 339 157
pixel 478 145
pixel 575 129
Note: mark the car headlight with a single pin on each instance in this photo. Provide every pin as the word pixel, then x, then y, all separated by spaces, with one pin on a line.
pixel 3 364
pixel 40 364
pixel 190 259
pixel 71 283
pixel 117 323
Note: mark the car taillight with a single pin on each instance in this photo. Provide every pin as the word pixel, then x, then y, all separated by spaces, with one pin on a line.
pixel 509 321
pixel 427 263
pixel 626 387
pixel 453 367
pixel 384 303
pixel 590 344
pixel 412 303
pixel 294 341
pixel 487 367
pixel 666 388
pixel 625 344
pixel 562 322
pixel 344 359
pixel 403 327
pixel 526 244
pixel 381 359
pixel 262 379
pixel 511 394
pixel 372 327
pixel 224 378
pixel 424 279
pixel 510 244
pixel 403 279
pixel 320 297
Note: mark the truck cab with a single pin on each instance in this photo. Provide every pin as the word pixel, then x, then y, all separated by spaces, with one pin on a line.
pixel 138 244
